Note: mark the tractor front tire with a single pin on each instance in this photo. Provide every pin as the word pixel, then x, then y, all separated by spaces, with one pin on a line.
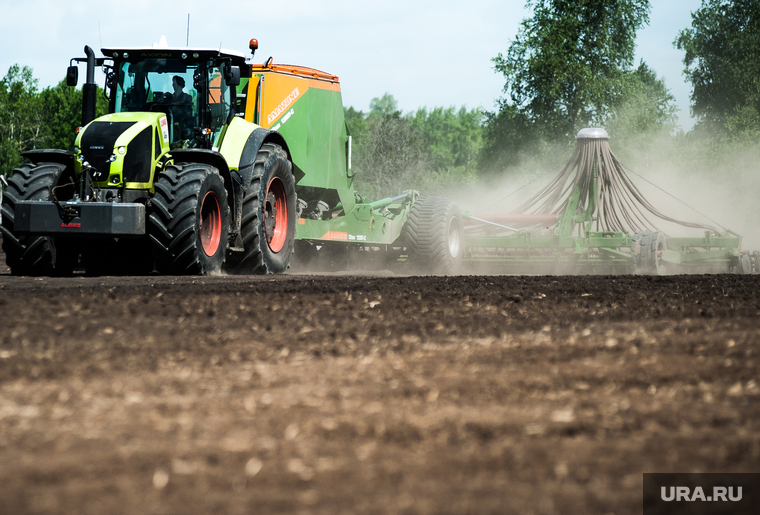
pixel 268 226
pixel 32 254
pixel 434 235
pixel 188 225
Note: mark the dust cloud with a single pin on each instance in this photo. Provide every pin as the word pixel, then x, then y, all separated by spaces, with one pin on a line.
pixel 682 178
pixel 696 183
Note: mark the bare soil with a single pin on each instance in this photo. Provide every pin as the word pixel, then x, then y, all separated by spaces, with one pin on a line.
pixel 358 394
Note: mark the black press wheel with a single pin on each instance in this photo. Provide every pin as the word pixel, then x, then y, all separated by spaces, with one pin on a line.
pixel 648 246
pixel 636 253
pixel 37 255
pixel 434 236
pixel 268 225
pixel 745 264
pixel 660 246
pixel 644 251
pixel 188 224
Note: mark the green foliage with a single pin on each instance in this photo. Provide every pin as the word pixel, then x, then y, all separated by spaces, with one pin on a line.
pixel 30 119
pixel 63 113
pixel 508 134
pixel 743 125
pixel 389 157
pixel 570 67
pixel 383 106
pixel 645 106
pixel 567 63
pixel 388 152
pixel 426 150
pixel 721 62
pixel 355 121
pixel 453 137
pixel 21 116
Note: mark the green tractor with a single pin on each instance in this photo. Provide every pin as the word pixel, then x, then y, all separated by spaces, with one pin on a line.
pixel 206 163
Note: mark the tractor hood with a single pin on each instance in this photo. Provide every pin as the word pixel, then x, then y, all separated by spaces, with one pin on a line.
pixel 122 149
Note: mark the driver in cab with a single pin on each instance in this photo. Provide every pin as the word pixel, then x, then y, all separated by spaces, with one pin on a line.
pixel 182 107
pixel 180 98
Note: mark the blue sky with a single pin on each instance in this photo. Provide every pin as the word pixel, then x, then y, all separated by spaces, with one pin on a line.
pixel 425 53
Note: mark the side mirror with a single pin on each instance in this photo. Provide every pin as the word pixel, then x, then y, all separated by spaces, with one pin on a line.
pixel 72 76
pixel 233 77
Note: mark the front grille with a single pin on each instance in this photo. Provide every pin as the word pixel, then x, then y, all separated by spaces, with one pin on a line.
pixel 138 159
pixel 97 146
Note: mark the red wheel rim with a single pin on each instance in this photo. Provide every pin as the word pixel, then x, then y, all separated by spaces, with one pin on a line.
pixel 276 215
pixel 210 224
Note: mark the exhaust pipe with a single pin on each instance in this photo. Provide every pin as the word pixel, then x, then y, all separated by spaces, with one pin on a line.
pixel 89 90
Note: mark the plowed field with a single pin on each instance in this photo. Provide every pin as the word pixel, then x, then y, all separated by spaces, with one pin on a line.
pixel 358 394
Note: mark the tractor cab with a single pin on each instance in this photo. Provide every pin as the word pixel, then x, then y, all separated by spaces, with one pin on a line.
pixel 195 89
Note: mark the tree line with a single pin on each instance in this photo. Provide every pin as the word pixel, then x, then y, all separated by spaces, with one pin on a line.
pixel 31 119
pixel 571 65
pixel 427 149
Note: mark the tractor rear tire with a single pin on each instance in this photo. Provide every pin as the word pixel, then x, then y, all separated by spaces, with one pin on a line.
pixel 268 226
pixel 32 254
pixel 188 224
pixel 434 235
